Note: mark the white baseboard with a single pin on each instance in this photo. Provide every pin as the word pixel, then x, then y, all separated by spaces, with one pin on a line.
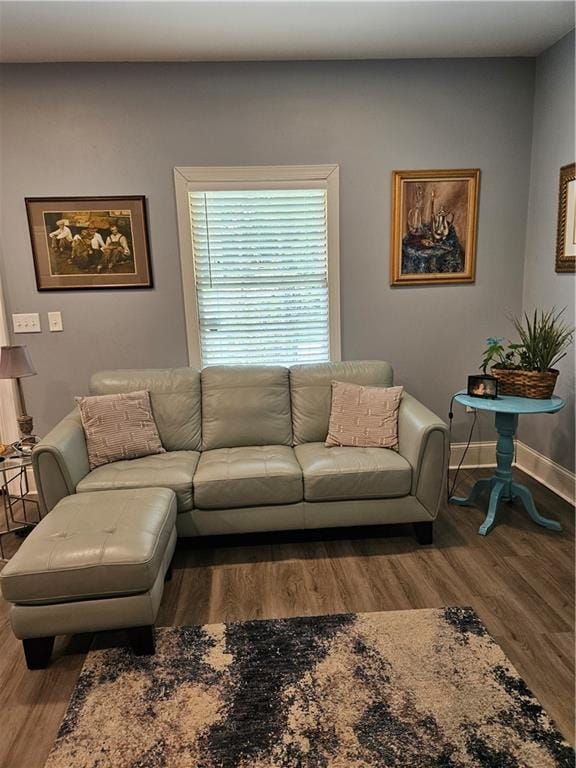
pixel 541 468
pixel 548 472
pixel 477 455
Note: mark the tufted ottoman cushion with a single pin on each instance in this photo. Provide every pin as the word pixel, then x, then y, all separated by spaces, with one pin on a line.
pixel 93 545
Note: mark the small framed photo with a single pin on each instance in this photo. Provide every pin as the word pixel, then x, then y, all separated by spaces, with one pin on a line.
pixel 566 234
pixel 434 222
pixel 483 386
pixel 83 243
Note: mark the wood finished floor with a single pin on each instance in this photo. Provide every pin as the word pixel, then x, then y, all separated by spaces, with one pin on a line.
pixel 519 579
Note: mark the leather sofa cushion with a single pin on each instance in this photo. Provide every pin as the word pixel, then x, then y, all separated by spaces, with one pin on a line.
pixel 341 473
pixel 93 545
pixel 311 392
pixel 175 398
pixel 173 470
pixel 244 477
pixel 244 406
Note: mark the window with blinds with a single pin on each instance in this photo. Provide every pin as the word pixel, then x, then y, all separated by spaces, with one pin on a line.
pixel 261 275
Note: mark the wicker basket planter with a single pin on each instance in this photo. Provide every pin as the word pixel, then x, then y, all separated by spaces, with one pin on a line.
pixel 519 383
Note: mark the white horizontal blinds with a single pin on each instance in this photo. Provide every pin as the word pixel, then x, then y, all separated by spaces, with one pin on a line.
pixel 261 266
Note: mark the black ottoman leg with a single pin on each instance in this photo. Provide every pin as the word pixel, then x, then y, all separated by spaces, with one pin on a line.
pixel 142 640
pixel 424 532
pixel 37 651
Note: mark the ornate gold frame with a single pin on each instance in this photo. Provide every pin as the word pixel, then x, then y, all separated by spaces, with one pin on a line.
pixel 469 273
pixel 564 263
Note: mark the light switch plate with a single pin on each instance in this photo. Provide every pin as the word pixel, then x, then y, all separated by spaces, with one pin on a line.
pixel 27 323
pixel 55 321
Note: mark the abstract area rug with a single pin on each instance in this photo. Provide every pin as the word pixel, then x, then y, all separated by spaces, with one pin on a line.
pixel 409 689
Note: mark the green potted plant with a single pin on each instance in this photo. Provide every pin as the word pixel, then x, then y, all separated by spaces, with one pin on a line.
pixel 526 368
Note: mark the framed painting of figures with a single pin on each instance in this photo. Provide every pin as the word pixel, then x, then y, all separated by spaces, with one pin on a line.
pixel 566 233
pixel 434 222
pixel 89 242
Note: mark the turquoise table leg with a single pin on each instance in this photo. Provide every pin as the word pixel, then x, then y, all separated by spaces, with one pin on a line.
pixel 479 487
pixel 501 485
pixel 521 492
pixel 495 496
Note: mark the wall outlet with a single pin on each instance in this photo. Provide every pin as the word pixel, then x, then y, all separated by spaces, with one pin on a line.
pixel 470 410
pixel 55 321
pixel 28 323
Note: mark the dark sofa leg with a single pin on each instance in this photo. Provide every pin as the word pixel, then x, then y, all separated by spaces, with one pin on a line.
pixel 424 532
pixel 37 651
pixel 142 640
pixel 168 574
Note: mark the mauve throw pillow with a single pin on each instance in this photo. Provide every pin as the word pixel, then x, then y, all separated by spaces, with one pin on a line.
pixel 118 427
pixel 364 417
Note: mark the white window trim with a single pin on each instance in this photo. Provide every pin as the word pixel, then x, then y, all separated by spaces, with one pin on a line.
pixel 189 179
pixel 8 407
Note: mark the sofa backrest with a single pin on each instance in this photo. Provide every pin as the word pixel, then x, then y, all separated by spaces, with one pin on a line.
pixel 175 396
pixel 311 392
pixel 245 405
pixel 230 406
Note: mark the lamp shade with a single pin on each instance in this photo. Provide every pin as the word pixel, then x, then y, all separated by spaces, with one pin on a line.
pixel 15 362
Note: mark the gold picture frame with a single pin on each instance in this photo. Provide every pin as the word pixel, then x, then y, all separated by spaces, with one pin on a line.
pixel 566 231
pixel 434 226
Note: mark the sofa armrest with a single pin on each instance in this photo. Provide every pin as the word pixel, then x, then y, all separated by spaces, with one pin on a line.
pixel 60 461
pixel 423 442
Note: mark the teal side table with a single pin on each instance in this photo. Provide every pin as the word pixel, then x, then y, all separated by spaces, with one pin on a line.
pixel 501 485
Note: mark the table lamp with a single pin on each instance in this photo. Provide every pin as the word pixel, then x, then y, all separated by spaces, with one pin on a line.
pixel 15 363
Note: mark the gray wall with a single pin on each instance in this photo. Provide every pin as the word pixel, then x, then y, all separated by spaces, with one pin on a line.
pixel 120 129
pixel 552 147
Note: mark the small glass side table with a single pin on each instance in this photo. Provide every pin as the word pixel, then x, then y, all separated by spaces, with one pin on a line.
pixel 21 510
pixel 501 485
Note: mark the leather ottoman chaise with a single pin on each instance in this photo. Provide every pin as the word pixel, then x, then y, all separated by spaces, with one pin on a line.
pixel 97 561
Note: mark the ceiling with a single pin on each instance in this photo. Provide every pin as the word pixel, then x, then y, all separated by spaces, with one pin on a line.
pixel 218 30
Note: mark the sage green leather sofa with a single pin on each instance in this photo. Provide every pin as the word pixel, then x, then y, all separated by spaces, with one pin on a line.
pixel 245 452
